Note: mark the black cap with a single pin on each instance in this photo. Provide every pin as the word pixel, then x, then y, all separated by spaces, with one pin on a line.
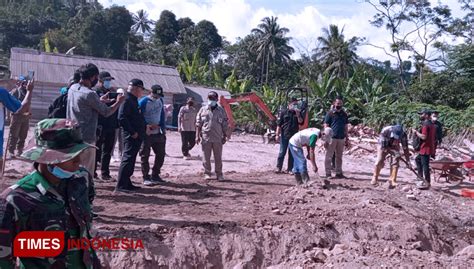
pixel 157 89
pixel 137 83
pixel 425 111
pixel 104 75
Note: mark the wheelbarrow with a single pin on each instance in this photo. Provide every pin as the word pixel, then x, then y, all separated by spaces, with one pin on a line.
pixel 447 170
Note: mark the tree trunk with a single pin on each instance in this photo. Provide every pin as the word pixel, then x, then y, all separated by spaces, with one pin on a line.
pixel 268 63
pixel 262 73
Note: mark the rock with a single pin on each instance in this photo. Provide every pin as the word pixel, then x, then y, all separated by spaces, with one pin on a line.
pixel 154 226
pixel 468 252
pixel 417 245
pixel 411 197
pixel 406 189
pixel 339 249
pixel 320 257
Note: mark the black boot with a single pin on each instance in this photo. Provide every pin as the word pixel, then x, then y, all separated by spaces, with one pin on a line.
pixel 298 178
pixel 305 177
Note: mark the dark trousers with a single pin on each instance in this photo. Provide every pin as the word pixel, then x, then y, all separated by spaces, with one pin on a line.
pixel 423 166
pixel 127 166
pixel 281 155
pixel 105 147
pixel 188 140
pixel 157 142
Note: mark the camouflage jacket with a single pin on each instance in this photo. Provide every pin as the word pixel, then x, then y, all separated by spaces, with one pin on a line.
pixel 34 204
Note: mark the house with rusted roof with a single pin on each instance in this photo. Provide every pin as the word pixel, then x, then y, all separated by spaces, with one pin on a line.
pixel 53 70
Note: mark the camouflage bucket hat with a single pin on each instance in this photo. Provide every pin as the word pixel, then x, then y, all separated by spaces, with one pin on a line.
pixel 55 141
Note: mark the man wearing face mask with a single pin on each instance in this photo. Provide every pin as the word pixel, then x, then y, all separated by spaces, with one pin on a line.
pixel 288 124
pixel 337 120
pixel 211 125
pixel 187 127
pixel 55 197
pixel 84 106
pixel 106 128
pixel 426 148
pixel 20 122
pixel 439 128
pixel 134 131
pixel 152 107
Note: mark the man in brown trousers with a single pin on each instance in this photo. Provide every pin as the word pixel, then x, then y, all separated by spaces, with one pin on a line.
pixel 20 121
pixel 211 124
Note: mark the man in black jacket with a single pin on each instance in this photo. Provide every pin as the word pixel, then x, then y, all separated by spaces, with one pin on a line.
pixel 106 128
pixel 134 131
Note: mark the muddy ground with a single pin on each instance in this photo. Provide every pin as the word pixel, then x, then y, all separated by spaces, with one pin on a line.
pixel 258 219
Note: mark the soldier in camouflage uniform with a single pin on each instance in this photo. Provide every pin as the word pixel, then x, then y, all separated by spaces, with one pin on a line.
pixel 55 197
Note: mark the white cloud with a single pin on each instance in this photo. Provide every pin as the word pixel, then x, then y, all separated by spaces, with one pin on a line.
pixel 236 18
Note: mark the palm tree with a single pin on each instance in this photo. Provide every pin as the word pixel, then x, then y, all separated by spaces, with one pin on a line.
pixel 335 53
pixel 141 23
pixel 271 44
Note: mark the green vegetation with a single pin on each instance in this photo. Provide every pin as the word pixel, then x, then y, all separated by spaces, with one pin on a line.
pixel 436 75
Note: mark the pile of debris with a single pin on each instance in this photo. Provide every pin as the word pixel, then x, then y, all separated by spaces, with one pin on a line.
pixel 361 131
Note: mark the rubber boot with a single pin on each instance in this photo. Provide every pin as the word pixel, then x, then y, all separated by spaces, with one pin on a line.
pixel 305 177
pixel 375 177
pixel 393 176
pixel 299 179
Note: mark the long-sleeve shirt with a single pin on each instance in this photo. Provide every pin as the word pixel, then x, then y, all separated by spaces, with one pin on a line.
pixel 213 123
pixel 153 111
pixel 84 106
pixel 187 119
pixel 131 118
pixel 110 122
pixel 34 204
pixel 9 102
pixel 20 94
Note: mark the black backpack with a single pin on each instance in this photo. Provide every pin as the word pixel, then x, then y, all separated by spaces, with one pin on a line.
pixel 58 108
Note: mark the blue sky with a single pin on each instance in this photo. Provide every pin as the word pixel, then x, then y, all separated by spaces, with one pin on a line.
pixel 304 18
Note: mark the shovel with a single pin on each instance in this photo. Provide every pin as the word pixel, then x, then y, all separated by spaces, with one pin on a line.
pixel 419 186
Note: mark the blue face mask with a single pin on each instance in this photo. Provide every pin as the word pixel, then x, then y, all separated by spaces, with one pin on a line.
pixel 61 173
pixel 212 102
pixel 107 84
pixel 63 90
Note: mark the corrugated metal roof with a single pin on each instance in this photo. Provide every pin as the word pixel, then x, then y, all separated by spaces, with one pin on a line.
pixel 58 68
pixel 204 91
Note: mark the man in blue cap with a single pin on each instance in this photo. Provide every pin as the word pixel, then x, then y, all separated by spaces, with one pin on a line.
pixel 389 145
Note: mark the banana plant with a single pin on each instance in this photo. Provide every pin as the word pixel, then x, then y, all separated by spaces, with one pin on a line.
pixel 321 94
pixel 193 71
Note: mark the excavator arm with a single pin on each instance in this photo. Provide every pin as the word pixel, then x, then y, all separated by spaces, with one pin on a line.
pixel 246 97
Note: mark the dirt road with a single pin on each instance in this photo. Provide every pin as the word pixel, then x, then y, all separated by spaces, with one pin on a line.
pixel 257 219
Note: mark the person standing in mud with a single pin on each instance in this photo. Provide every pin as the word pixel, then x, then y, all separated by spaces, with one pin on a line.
pixel 389 146
pixel 439 128
pixel 288 124
pixel 20 122
pixel 426 148
pixel 152 108
pixel 211 125
pixel 338 120
pixel 187 127
pixel 55 197
pixel 10 103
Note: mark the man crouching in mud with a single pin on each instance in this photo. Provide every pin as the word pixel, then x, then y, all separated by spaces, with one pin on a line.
pixel 54 197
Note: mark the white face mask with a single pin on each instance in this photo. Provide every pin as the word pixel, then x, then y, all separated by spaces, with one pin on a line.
pixel 212 103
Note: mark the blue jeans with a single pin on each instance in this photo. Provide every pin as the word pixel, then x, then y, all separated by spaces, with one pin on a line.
pixel 299 165
pixel 281 154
